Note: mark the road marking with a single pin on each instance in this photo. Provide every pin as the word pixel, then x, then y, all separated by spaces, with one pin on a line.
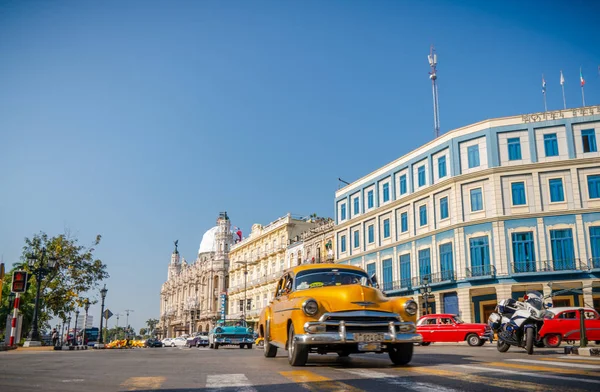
pixel 472 378
pixel 543 369
pixel 74 380
pixel 577 356
pixel 557 363
pixel 220 381
pixel 142 383
pixel 315 382
pixel 395 380
pixel 529 374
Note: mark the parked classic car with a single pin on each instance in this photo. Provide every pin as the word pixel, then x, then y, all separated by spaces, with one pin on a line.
pixel 321 308
pixel 231 333
pixel 152 342
pixel 565 325
pixel 198 340
pixel 450 328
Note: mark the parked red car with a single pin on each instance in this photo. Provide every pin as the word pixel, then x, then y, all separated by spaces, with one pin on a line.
pixel 450 328
pixel 565 325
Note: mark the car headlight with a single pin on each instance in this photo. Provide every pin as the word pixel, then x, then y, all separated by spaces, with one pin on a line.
pixel 310 307
pixel 411 307
pixel 250 330
pixel 219 330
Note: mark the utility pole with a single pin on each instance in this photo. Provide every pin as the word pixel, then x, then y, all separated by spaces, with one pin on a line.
pixel 118 315
pixel 127 311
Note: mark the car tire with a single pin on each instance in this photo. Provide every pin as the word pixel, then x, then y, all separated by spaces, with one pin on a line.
pixel 481 342
pixel 424 343
pixel 343 354
pixel 473 340
pixel 297 353
pixel 552 341
pixel 216 346
pixel 401 354
pixel 269 350
pixel 172 344
pixel 242 345
pixel 502 347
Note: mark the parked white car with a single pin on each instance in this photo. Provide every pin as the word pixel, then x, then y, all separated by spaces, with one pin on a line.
pixel 166 342
pixel 178 342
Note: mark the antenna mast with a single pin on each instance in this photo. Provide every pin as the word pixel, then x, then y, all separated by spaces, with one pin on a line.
pixel 433 76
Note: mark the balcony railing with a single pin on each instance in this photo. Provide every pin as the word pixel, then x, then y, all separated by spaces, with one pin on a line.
pixel 564 265
pixel 594 262
pixel 480 271
pixel 522 267
pixel 402 284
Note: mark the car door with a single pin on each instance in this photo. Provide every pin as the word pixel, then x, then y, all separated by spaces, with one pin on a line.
pixel 446 330
pixel 430 329
pixel 568 324
pixel 278 320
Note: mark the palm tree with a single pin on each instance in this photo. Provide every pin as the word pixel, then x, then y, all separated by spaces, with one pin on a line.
pixel 151 323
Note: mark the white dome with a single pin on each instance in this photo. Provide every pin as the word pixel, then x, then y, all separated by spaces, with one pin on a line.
pixel 208 241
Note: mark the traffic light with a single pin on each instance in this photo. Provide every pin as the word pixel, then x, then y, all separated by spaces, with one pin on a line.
pixel 19 282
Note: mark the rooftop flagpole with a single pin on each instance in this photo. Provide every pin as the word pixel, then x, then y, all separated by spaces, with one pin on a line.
pixel 562 85
pixel 544 93
pixel 582 80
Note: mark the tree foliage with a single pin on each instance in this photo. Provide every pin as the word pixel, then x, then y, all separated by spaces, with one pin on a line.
pixel 151 323
pixel 77 272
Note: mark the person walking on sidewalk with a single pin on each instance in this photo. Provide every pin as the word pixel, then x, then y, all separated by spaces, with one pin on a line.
pixel 54 337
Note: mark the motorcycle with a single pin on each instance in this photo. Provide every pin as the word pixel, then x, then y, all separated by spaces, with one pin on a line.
pixel 517 322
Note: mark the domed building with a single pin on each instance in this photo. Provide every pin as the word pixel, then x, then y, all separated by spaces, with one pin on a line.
pixel 190 296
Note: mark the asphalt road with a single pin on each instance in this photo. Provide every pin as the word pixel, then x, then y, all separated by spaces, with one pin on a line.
pixel 440 368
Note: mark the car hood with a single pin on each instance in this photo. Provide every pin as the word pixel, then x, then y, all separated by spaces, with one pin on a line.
pixel 348 297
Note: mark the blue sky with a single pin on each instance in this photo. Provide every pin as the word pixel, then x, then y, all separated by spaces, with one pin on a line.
pixel 141 121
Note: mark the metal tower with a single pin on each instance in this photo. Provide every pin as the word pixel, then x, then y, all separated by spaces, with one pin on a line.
pixel 433 76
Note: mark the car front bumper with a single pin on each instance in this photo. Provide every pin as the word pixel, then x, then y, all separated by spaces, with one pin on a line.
pixel 397 332
pixel 488 335
pixel 226 340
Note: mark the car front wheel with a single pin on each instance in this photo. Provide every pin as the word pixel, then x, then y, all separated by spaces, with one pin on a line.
pixel 269 350
pixel 552 341
pixel 297 353
pixel 473 340
pixel 401 354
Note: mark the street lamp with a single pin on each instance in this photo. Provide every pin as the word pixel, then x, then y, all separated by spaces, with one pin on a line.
pixel 68 328
pixel 75 329
pixel 86 306
pixel 40 268
pixel 245 264
pixel 103 295
pixel 425 292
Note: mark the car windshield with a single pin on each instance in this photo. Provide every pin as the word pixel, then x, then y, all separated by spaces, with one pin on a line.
pixel 232 323
pixel 458 320
pixel 330 277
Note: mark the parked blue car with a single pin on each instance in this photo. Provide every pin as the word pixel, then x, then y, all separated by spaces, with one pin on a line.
pixel 231 333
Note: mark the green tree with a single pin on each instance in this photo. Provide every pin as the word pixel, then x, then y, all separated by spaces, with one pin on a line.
pixel 143 331
pixel 77 271
pixel 151 323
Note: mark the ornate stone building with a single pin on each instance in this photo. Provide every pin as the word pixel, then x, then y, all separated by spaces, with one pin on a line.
pixel 318 242
pixel 190 296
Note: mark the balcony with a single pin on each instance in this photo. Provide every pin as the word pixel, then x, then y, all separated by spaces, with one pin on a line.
pixel 564 265
pixel 398 285
pixel 480 271
pixel 523 267
pixel 594 263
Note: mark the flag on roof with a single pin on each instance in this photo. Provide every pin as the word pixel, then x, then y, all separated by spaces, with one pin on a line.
pixel 562 78
pixel 581 79
pixel 543 85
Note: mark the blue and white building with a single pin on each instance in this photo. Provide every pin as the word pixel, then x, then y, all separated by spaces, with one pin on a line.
pixel 484 212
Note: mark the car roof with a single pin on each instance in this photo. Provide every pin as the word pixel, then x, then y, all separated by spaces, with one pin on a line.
pixel 438 315
pixel 308 267
pixel 569 308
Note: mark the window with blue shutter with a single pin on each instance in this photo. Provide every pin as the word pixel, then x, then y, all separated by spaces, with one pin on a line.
pixel 595 243
pixel 442 167
pixel 523 252
pixel 557 192
pixel 480 256
pixel 356 239
pixel 405 278
pixel 424 264
pixel 518 193
pixel 404 222
pixel 563 253
pixel 386 192
pixel 403 184
pixel 514 148
pixel 388 274
pixel 356 206
pixel 371 268
pixel 371 234
pixel 343 243
pixel 386 228
pixel 370 199
pixel 421 175
pixel 444 207
pixel 594 186
pixel 476 200
pixel 551 145
pixel 473 156
pixel 423 215
pixel 446 262
pixel 588 138
pixel 343 211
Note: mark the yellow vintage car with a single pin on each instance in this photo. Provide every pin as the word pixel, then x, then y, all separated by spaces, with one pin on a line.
pixel 322 308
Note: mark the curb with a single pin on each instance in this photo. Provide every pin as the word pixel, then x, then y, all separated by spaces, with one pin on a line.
pixel 583 351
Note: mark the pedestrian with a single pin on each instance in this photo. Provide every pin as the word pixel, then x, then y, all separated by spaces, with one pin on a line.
pixel 54 337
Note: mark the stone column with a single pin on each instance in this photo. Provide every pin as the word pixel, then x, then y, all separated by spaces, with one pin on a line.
pixel 547 293
pixel 439 302
pixel 465 305
pixel 588 298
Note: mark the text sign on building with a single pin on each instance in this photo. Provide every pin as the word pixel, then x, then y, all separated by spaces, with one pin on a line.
pixel 223 305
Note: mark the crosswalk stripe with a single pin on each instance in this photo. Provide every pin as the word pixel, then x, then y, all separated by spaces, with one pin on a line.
pixel 571 360
pixel 543 368
pixel 315 382
pixel 473 378
pixel 557 363
pixel 395 380
pixel 220 381
pixel 529 374
pixel 142 383
pixel 574 357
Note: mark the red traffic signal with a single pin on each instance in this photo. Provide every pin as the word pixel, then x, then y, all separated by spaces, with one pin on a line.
pixel 19 282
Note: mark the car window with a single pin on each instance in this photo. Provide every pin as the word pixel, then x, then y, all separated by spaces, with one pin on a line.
pixel 445 321
pixel 567 315
pixel 432 321
pixel 589 315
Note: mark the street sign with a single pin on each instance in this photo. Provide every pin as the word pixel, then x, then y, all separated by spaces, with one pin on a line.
pixel 107 314
pixel 223 305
